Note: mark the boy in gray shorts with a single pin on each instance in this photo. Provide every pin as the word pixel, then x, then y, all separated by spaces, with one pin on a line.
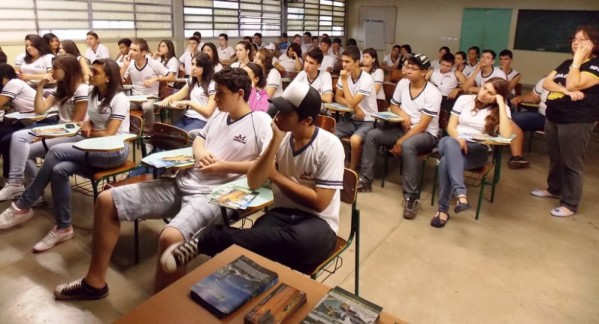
pixel 224 151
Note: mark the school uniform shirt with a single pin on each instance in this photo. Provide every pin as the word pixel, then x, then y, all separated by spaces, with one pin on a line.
pixel 389 61
pixel 65 111
pixel 172 64
pixel 328 61
pixel 319 164
pixel 120 60
pixel 287 63
pixel 543 93
pixel 470 122
pixel 118 109
pixel 427 102
pixel 197 95
pixel 561 108
pixel 218 68
pixel 364 85
pixel 225 53
pixel 101 52
pixel 379 77
pixel 185 60
pixel 19 59
pixel 480 79
pixel 323 82
pixel 41 65
pixel 244 139
pixel 21 95
pixel 237 65
pixel 151 69
pixel 274 80
pixel 467 70
pixel 445 82
pixel 306 47
pixel 435 64
pixel 510 76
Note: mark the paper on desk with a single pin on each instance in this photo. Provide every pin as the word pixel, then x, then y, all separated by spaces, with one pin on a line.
pixel 477 137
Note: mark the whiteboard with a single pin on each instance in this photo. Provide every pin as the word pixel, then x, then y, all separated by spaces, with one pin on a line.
pixel 387 14
pixel 375 29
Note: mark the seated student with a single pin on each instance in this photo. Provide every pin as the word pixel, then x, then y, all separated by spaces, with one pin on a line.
pixel 258 99
pixel 282 43
pixel 109 115
pixel 244 54
pixel 69 47
pixel 124 45
pixel 290 61
pixel 224 151
pixel 461 65
pixel 166 56
pixel 370 65
pixel 95 50
pixel 391 60
pixel 418 102
pixel 53 43
pixel 192 50
pixel 473 56
pixel 36 63
pixel 305 167
pixel 328 59
pixel 444 78
pixel 210 50
pixel 200 90
pixel 257 40
pixel 3 58
pixel 355 89
pixel 317 79
pixel 226 53
pixel 306 44
pixel 527 120
pixel 20 149
pixel 274 85
pixel 145 75
pixel 483 113
pixel 442 51
pixel 405 53
pixel 513 76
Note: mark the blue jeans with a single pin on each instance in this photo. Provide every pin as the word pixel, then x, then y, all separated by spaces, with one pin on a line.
pixel 61 162
pixel 188 124
pixel 529 120
pixel 452 165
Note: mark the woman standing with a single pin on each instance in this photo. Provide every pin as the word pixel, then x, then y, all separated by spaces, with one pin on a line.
pixel 109 115
pixel 200 91
pixel 483 113
pixel 71 98
pixel 572 113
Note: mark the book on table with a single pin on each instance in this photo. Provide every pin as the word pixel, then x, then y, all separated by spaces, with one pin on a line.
pixel 341 306
pixel 277 306
pixel 227 289
pixel 480 137
pixel 233 196
pixel 172 161
pixel 387 115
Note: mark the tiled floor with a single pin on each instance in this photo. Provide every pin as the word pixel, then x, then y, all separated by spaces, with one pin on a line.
pixel 516 264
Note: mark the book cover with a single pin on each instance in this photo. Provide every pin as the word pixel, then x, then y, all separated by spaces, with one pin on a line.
pixel 232 286
pixel 234 197
pixel 478 137
pixel 50 131
pixel 341 306
pixel 387 115
pixel 172 161
pixel 281 303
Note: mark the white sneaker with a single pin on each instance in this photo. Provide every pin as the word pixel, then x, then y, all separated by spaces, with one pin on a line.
pixel 53 237
pixel 13 216
pixel 10 192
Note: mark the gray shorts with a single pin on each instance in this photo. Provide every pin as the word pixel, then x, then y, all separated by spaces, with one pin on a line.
pixel 161 199
pixel 353 127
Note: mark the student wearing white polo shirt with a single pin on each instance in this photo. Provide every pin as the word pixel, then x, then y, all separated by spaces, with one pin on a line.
pixel 370 64
pixel 36 62
pixel 145 75
pixel 210 50
pixel 442 51
pixel 317 79
pixel 95 50
pixel 226 53
pixel 461 65
pixel 391 60
pixel 274 86
pixel 445 79
pixel 418 102
pixel 355 89
pixel 193 48
pixel 484 71
pixel 328 60
pixel 306 43
pixel 473 56
pixel 513 76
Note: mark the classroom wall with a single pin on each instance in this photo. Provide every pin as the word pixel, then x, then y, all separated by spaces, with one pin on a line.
pixel 423 24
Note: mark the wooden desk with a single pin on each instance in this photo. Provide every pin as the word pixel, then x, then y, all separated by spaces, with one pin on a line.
pixel 173 304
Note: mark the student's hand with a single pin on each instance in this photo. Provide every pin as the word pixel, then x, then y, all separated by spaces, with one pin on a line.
pixel 182 103
pixel 156 55
pixel 86 129
pixel 584 50
pixel 149 82
pixel 499 98
pixel 453 94
pixel 516 100
pixel 406 124
pixel 204 160
pixel 359 113
pixel 343 74
pixel 277 133
pixel 218 166
pixel 396 149
pixel 164 103
pixel 463 145
pixel 575 95
pixel 126 61
pixel 36 139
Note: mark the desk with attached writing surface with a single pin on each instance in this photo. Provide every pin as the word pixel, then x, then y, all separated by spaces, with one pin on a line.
pixel 173 304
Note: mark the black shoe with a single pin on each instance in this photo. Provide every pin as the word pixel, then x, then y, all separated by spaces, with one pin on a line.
pixel 364 186
pixel 79 290
pixel 518 162
pixel 438 222
pixel 410 208
pixel 461 206
pixel 178 255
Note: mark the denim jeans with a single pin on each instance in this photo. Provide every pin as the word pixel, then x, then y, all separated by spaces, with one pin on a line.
pixel 187 124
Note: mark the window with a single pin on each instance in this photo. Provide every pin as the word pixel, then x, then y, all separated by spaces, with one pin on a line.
pixel 234 17
pixel 317 17
pixel 72 19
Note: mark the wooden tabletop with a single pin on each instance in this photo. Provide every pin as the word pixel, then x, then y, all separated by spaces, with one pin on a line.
pixel 173 304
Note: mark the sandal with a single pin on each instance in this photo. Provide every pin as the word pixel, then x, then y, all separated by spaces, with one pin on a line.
pixel 461 206
pixel 437 221
pixel 562 211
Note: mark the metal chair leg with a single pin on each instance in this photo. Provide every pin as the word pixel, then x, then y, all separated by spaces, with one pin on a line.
pixel 136 238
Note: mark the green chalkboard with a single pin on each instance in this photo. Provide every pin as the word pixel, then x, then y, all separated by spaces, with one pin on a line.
pixel 550 30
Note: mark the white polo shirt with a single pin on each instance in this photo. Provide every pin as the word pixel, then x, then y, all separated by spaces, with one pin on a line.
pixel 379 77
pixel 274 80
pixel 101 52
pixel 21 95
pixel 364 85
pixel 225 53
pixel 41 65
pixel 117 109
pixel 323 83
pixel 427 102
pixel 480 79
pixel 66 111
pixel 445 82
pixel 151 69
pixel 471 122
pixel 198 95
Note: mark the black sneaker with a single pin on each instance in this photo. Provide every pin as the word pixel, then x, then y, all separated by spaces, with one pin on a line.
pixel 178 255
pixel 518 162
pixel 364 186
pixel 79 290
pixel 410 208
